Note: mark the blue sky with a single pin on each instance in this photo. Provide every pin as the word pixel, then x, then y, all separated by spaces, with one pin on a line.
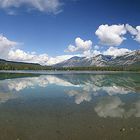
pixel 49 28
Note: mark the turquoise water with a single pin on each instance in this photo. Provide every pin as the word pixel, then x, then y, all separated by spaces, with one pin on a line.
pixel 70 106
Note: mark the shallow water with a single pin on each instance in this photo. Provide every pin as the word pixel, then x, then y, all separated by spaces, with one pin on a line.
pixel 70 106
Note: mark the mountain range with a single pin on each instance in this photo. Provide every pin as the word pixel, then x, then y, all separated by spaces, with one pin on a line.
pixel 129 59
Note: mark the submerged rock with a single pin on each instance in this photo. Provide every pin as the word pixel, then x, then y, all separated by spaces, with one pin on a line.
pixel 122 129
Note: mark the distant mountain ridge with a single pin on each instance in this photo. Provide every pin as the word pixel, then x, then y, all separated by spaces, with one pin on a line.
pixel 11 65
pixel 129 59
pixel 13 62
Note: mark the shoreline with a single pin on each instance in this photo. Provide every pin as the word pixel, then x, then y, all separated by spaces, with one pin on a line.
pixel 63 72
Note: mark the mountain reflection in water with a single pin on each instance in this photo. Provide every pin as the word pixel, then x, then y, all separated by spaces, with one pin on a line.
pixel 84 88
pixel 70 106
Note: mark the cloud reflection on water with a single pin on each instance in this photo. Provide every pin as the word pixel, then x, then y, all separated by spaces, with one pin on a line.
pixel 9 88
pixel 19 84
pixel 112 106
pixel 95 85
pixel 83 88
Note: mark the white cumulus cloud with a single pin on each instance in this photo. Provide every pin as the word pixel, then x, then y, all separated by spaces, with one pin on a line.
pixel 80 45
pixel 138 34
pixel 111 35
pixel 135 32
pixel 131 29
pixel 91 53
pixel 9 51
pixel 114 51
pixel 51 6
pixel 58 59
pixel 5 46
pixel 20 55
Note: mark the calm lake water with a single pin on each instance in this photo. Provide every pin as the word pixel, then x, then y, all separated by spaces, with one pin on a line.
pixel 78 106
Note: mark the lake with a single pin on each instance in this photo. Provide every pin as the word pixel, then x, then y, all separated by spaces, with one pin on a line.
pixel 70 106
